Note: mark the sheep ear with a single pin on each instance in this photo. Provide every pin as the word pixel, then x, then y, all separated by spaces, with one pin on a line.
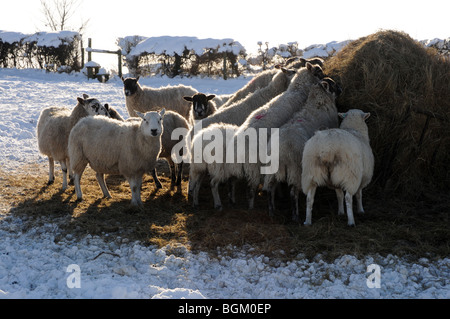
pixel 325 86
pixel 366 116
pixel 80 100
pixel 188 98
pixel 278 66
pixel 123 80
pixel 107 106
pixel 210 97
pixel 287 71
pixel 162 112
pixel 309 66
pixel 140 114
pixel 137 79
pixel 342 115
pixel 85 96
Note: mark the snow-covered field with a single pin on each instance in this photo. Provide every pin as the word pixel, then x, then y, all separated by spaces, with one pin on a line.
pixel 33 265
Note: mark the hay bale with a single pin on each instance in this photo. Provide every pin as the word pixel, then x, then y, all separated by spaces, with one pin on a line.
pixel 406 87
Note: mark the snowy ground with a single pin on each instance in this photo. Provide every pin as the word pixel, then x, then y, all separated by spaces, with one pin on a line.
pixel 32 265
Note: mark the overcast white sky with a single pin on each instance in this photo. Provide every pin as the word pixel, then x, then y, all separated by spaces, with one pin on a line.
pixel 247 21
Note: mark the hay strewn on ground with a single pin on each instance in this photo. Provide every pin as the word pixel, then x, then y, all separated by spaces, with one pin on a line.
pixel 406 87
pixel 388 227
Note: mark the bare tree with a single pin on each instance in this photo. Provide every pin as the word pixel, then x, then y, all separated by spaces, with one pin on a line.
pixel 58 13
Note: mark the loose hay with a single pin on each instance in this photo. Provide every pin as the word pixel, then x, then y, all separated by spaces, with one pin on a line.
pixel 406 88
pixel 388 227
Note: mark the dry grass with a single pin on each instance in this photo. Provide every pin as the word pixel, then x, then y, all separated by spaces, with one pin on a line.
pixel 388 227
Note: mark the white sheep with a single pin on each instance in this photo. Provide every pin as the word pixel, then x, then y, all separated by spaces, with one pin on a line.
pixel 339 158
pixel 261 80
pixel 145 99
pixel 237 112
pixel 319 112
pixel 129 148
pixel 221 99
pixel 264 78
pixel 212 161
pixel 172 122
pixel 202 106
pixel 53 129
pixel 272 115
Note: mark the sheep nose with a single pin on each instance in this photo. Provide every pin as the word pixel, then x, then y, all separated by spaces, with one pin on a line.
pixel 154 132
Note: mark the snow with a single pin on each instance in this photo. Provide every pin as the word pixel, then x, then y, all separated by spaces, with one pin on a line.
pixel 33 264
pixel 170 45
pixel 42 39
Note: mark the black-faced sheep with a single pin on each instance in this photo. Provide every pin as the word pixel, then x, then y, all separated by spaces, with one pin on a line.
pixel 53 129
pixel 129 148
pixel 145 99
pixel 202 106
pixel 339 158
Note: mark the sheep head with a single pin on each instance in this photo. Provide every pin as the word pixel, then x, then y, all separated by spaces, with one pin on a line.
pixel 152 122
pixel 130 85
pixel 199 103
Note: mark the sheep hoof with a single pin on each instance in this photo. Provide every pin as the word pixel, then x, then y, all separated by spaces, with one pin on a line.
pixel 219 208
pixel 295 218
pixel 50 182
pixel 306 224
pixel 158 185
pixel 351 225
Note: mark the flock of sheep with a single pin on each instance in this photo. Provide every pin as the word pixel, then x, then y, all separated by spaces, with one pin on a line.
pixel 293 105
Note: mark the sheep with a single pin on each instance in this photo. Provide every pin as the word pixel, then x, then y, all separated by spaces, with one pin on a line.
pixel 129 148
pixel 53 128
pixel 202 106
pixel 172 121
pixel 144 99
pixel 339 158
pixel 264 78
pixel 220 100
pixel 212 163
pixel 272 115
pixel 238 112
pixel 319 112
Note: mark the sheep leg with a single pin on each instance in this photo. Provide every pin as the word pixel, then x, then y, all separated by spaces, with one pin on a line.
pixel 135 185
pixel 155 178
pixel 76 181
pixel 194 188
pixel 51 170
pixel 294 203
pixel 349 204
pixel 359 201
pixel 231 190
pixel 70 171
pixel 179 173
pixel 64 173
pixel 340 198
pixel 101 181
pixel 251 190
pixel 271 197
pixel 172 174
pixel 216 196
pixel 309 204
